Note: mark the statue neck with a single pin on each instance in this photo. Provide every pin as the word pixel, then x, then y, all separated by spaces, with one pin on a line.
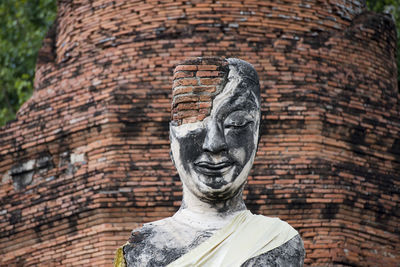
pixel 215 214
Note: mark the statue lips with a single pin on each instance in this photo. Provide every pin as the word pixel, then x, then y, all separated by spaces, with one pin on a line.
pixel 213 168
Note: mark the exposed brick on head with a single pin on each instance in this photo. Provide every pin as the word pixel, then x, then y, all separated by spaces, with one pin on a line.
pixel 87 159
pixel 195 85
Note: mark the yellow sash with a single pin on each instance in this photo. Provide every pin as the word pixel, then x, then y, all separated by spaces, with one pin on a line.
pixel 247 236
pixel 119 260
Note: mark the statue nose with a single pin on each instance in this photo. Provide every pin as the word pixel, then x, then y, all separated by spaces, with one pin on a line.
pixel 214 141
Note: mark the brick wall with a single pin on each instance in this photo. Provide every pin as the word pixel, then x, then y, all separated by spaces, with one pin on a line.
pixel 87 158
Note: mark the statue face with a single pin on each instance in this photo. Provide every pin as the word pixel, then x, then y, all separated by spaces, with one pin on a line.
pixel 214 156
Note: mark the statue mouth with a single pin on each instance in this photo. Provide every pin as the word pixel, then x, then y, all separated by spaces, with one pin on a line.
pixel 213 169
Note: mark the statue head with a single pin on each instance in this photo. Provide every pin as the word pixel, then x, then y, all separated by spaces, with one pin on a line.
pixel 214 128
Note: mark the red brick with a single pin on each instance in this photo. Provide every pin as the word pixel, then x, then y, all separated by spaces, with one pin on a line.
pixel 328 154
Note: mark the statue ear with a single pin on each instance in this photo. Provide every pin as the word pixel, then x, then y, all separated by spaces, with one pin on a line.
pixel 171 131
pixel 171 137
pixel 172 157
pixel 259 134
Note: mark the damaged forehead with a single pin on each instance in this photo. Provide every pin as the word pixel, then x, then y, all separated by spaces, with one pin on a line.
pixel 198 81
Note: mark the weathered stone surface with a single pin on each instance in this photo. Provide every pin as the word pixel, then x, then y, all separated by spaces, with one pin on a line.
pixel 290 254
pixel 156 244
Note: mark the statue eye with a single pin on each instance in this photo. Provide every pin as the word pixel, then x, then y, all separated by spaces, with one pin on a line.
pixel 238 120
pixel 237 124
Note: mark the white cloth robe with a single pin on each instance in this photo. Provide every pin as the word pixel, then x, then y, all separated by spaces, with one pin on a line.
pixel 245 237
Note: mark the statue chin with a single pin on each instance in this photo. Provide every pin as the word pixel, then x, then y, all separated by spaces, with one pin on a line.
pixel 214 193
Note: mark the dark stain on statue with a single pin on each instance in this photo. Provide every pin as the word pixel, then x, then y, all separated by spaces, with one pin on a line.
pixel 138 237
pixel 287 254
pixel 140 243
pixel 190 147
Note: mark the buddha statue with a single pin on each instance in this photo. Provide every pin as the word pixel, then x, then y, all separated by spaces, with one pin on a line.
pixel 214 133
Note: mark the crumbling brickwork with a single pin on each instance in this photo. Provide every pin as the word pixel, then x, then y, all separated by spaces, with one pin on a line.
pixel 87 158
pixel 195 85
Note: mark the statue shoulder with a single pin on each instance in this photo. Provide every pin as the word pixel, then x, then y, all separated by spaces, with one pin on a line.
pixel 160 243
pixel 151 245
pixel 289 254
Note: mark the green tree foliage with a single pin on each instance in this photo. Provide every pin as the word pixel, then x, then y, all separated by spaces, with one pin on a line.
pixel 23 25
pixel 392 7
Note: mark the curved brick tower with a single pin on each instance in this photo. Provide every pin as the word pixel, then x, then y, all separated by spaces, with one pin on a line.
pixel 87 158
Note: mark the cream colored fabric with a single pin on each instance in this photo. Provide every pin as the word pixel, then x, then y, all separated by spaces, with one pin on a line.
pixel 245 237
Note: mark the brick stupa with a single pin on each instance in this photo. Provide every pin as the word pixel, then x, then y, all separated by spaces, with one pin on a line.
pixel 87 159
